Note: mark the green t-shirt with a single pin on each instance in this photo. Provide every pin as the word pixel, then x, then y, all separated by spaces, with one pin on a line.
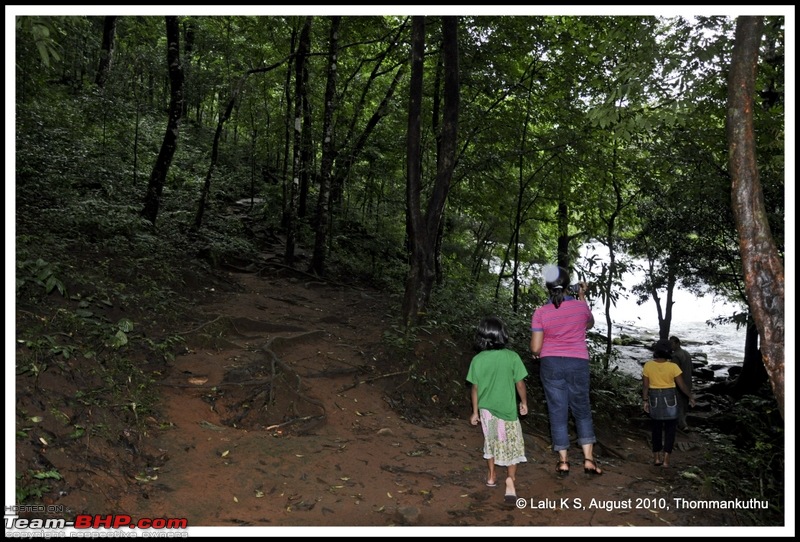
pixel 496 373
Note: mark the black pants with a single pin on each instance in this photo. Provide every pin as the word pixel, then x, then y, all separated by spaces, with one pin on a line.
pixel 666 441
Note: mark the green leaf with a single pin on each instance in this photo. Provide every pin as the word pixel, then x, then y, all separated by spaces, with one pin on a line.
pixel 119 339
pixel 125 325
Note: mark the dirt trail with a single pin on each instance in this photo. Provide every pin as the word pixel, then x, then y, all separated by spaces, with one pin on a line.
pixel 277 416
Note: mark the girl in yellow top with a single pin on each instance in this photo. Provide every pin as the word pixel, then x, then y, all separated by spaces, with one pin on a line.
pixel 659 380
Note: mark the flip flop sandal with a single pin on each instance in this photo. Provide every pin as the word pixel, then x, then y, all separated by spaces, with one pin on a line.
pixel 594 469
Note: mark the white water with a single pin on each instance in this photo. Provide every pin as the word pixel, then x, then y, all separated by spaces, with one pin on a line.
pixel 722 344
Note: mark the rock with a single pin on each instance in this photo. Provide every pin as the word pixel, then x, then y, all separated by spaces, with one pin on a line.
pixel 734 371
pixel 408 515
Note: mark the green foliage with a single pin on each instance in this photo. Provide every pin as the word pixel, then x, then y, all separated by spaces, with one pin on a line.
pixel 32 485
pixel 439 349
pixel 167 346
pixel 40 273
pixel 748 460
pixel 42 31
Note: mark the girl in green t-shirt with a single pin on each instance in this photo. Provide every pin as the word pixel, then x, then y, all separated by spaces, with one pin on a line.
pixel 497 375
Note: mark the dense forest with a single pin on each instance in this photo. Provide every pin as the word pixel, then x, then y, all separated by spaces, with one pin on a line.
pixel 444 159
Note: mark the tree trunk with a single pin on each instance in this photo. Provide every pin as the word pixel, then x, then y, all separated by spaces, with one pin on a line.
pixel 414 162
pixel 190 28
pixel 158 177
pixel 753 371
pixel 346 158
pixel 328 153
pixel 201 206
pixel 287 134
pixel 303 47
pixel 306 150
pixel 107 50
pixel 763 268
pixel 664 311
pixel 424 230
pixel 223 118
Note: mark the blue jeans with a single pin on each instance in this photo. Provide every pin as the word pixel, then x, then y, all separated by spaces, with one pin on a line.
pixel 566 388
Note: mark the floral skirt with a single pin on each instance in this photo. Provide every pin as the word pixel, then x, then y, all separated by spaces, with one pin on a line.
pixel 502 440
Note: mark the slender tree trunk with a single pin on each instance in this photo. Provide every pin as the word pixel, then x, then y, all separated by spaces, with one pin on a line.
pixel 611 271
pixel 158 177
pixel 287 135
pixel 190 28
pixel 664 312
pixel 201 206
pixel 303 47
pixel 223 118
pixel 413 165
pixel 763 267
pixel 306 151
pixel 328 153
pixel 346 158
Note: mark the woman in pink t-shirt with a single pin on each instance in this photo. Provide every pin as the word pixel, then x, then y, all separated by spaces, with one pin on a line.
pixel 559 340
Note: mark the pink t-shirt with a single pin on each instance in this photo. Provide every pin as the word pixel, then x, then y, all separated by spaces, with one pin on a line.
pixel 564 328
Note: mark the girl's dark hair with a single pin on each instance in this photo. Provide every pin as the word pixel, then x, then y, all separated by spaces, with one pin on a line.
pixel 662 349
pixel 491 334
pixel 558 287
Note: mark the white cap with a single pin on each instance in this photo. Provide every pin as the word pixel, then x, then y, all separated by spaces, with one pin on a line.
pixel 550 273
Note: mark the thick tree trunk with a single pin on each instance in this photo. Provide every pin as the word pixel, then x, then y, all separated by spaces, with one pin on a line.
pixel 753 371
pixel 763 267
pixel 106 51
pixel 424 230
pixel 158 177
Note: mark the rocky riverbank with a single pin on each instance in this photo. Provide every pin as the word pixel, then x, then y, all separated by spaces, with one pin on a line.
pixel 633 352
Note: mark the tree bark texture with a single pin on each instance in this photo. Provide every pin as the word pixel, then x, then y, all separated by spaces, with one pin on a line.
pixel 414 224
pixel 763 267
pixel 424 230
pixel 303 47
pixel 158 177
pixel 328 153
pixel 107 50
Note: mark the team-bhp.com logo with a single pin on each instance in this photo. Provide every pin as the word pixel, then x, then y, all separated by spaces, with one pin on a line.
pixel 97 521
